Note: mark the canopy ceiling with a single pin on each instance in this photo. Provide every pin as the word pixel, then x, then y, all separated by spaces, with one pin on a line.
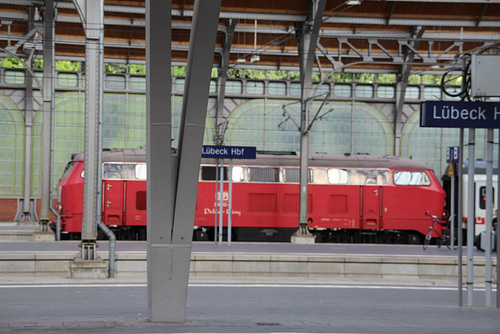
pixel 373 35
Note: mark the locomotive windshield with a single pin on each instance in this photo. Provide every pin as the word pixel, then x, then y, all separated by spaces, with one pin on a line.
pixel 67 169
pixel 411 178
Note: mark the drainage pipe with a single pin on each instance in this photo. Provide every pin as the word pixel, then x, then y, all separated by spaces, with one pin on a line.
pixel 112 247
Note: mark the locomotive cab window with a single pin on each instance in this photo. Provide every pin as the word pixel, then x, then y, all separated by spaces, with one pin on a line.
pixel 67 169
pixel 411 178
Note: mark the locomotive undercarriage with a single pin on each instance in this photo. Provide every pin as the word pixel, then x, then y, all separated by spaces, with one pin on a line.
pixel 272 235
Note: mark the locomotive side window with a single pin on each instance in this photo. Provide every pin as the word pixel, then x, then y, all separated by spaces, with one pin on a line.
pixel 263 174
pixel 118 171
pixel 238 175
pixel 209 173
pixel 411 178
pixel 141 171
pixel 337 176
pixel 292 175
pixel 359 176
pixel 482 197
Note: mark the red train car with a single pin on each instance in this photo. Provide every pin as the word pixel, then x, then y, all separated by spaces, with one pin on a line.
pixel 352 198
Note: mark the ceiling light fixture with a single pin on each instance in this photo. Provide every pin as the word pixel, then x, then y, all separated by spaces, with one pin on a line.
pixel 353 2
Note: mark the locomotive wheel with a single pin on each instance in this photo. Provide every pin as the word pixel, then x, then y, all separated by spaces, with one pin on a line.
pixel 413 239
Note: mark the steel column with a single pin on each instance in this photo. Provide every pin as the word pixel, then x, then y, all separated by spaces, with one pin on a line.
pixel 307 39
pixel 221 91
pixel 471 218
pixel 48 88
pixel 27 208
pixel 93 79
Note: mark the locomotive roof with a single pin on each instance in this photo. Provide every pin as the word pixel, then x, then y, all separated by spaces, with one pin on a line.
pixel 319 160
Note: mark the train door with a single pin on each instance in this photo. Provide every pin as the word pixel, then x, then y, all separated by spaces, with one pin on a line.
pixel 480 203
pixel 112 206
pixel 370 207
pixel 135 203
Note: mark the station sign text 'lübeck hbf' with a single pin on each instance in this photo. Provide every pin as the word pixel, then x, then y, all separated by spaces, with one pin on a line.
pixel 460 114
pixel 229 152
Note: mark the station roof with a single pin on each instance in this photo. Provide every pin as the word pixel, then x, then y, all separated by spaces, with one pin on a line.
pixel 367 34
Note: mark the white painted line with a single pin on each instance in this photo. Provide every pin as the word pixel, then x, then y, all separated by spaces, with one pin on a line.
pixel 237 285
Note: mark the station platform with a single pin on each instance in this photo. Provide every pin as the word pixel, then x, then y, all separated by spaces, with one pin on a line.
pixel 19 256
pixel 247 288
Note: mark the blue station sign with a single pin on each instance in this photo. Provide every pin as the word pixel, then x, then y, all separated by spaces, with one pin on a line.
pixel 460 114
pixel 229 152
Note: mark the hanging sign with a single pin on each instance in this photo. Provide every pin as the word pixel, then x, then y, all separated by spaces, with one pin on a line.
pixel 460 114
pixel 229 152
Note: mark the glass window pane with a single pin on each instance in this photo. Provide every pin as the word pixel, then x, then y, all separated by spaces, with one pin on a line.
pixel 342 90
pixel 115 82
pixel 432 93
pixel 412 92
pixel 213 86
pixel 255 87
pixel 295 89
pixel 277 88
pixel 408 178
pixel 179 84
pixel 209 173
pixel 141 172
pixel 138 83
pixel 67 79
pixel 14 77
pixel 385 92
pixel 365 91
pixel 266 174
pixel 233 87
pixel 337 176
pixel 324 89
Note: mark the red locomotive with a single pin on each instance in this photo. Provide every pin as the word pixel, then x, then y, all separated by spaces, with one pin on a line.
pixel 352 198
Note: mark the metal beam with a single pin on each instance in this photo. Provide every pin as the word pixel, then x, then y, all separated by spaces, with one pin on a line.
pixel 401 84
pixel 221 89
